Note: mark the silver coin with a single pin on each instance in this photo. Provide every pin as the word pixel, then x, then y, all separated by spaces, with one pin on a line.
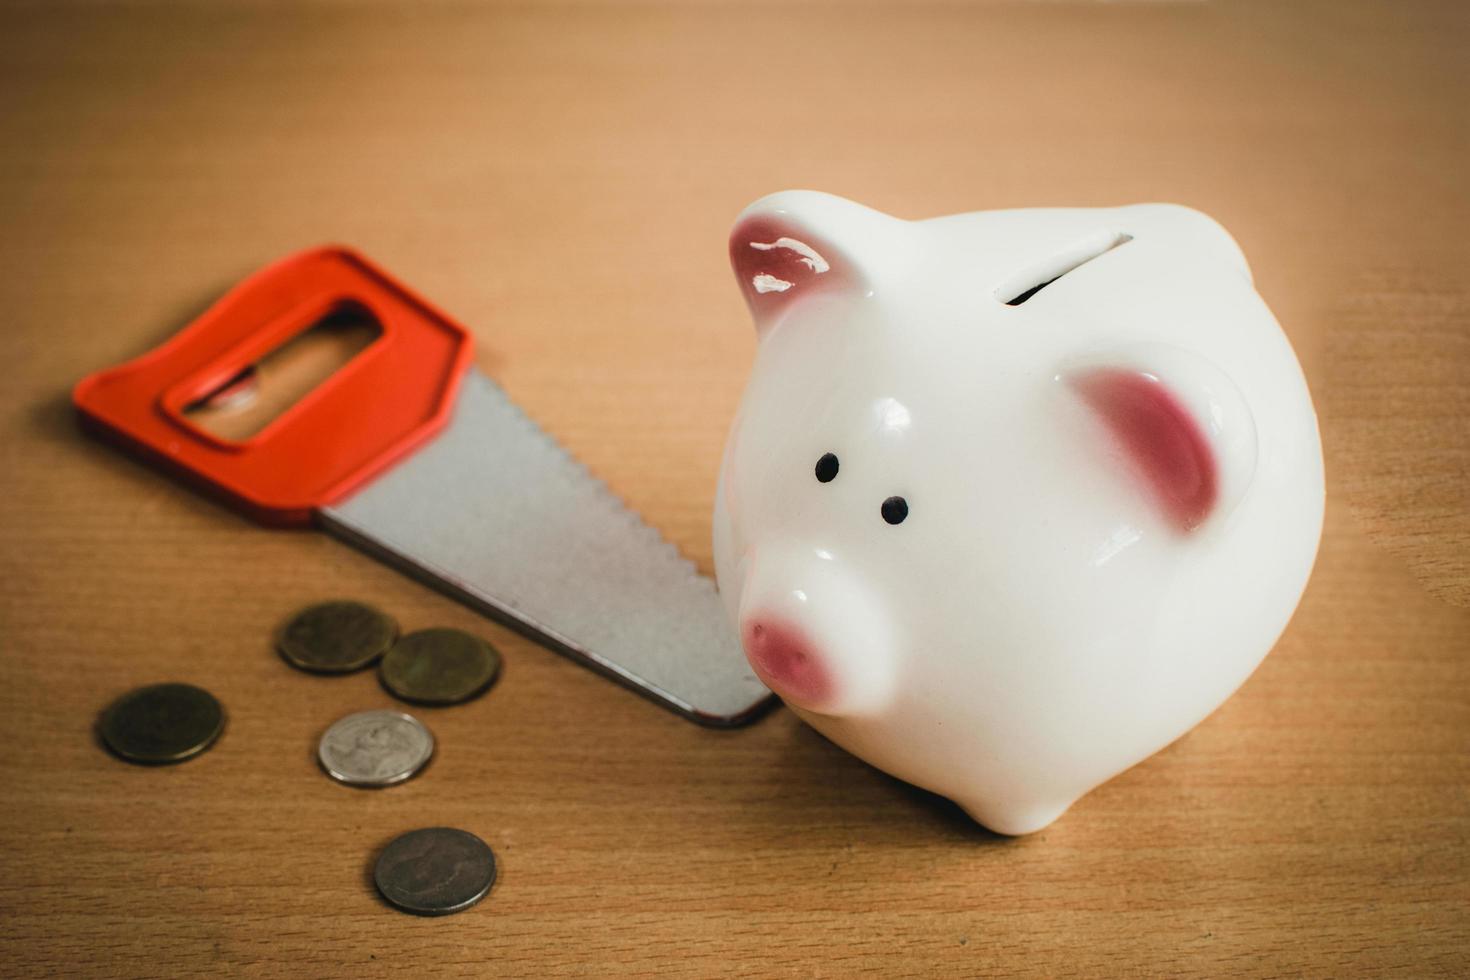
pixel 435 871
pixel 375 748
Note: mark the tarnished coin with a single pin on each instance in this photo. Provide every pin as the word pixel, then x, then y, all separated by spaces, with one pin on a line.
pixel 336 637
pixel 439 666
pixel 162 723
pixel 375 748
pixel 435 871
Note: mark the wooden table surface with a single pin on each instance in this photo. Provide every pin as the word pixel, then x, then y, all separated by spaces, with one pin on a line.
pixel 562 179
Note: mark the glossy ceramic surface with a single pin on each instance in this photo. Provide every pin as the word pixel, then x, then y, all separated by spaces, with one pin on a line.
pixel 1004 541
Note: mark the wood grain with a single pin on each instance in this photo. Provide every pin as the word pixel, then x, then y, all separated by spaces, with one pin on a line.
pixel 562 179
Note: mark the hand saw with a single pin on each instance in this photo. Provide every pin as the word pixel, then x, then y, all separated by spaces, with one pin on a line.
pixel 410 453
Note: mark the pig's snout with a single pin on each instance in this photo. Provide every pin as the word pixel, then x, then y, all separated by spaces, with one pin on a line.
pixel 787 663
pixel 814 634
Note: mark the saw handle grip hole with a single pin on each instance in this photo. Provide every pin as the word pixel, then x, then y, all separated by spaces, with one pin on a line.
pixel 259 393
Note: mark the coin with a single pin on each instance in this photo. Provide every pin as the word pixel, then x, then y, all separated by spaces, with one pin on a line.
pixel 336 637
pixel 435 871
pixel 162 723
pixel 375 748
pixel 439 666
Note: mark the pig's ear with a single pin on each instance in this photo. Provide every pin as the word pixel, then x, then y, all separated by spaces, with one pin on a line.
pixel 790 246
pixel 1175 425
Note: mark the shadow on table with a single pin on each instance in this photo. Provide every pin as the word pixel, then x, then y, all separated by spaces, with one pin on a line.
pixel 819 783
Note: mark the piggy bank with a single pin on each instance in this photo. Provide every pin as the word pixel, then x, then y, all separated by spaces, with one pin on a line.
pixel 1013 499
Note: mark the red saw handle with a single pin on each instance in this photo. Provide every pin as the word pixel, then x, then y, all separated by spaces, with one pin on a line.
pixel 388 399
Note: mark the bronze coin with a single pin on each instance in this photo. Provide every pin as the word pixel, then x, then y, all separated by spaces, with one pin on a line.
pixel 162 723
pixel 435 871
pixel 336 637
pixel 439 666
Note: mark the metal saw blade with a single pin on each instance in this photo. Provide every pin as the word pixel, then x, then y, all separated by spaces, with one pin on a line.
pixel 495 513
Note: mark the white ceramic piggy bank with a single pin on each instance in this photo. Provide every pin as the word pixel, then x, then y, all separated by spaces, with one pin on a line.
pixel 1013 498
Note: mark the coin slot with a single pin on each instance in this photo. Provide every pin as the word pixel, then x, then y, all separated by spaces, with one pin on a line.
pixel 1023 286
pixel 258 394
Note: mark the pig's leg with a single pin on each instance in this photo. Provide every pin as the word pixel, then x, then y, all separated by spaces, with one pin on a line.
pixel 1014 820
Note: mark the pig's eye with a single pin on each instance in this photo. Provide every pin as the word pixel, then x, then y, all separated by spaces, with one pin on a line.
pixel 827 468
pixel 895 509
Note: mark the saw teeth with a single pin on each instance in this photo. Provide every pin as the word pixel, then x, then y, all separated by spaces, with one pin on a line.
pixel 614 592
